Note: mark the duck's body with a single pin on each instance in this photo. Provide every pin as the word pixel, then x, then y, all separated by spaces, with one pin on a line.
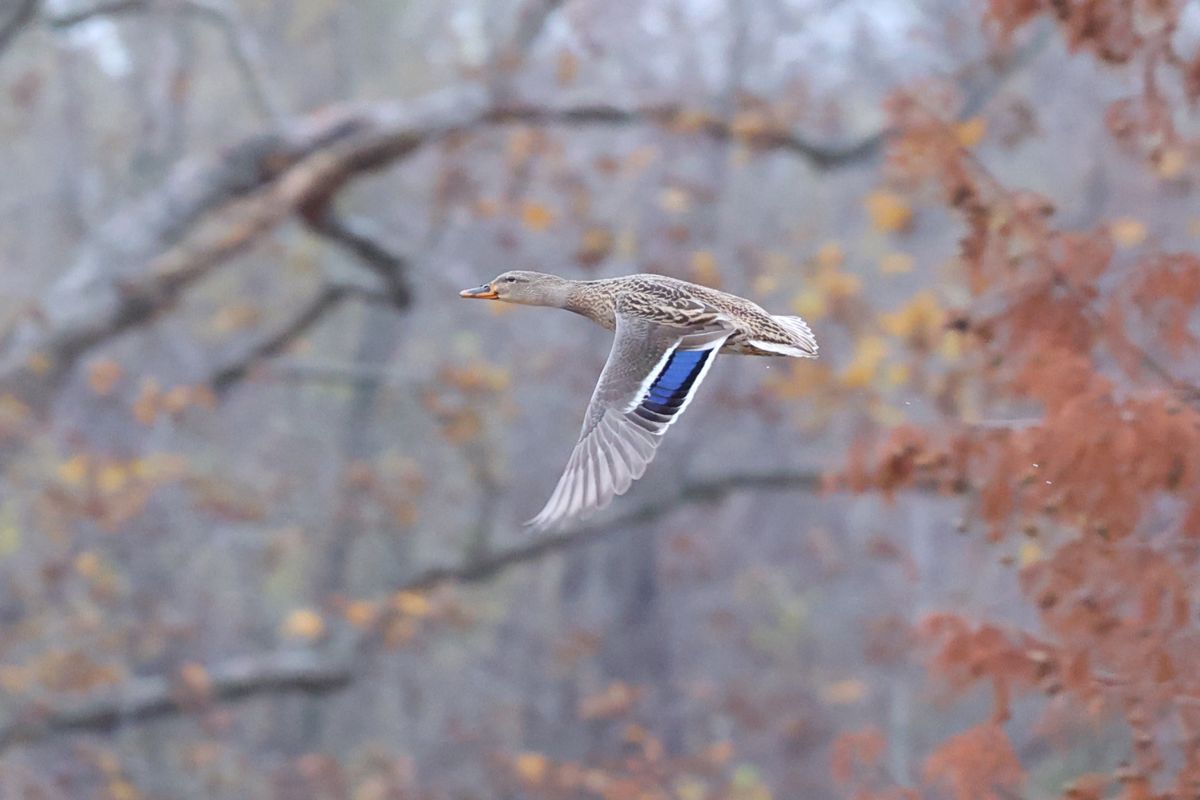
pixel 668 333
pixel 756 332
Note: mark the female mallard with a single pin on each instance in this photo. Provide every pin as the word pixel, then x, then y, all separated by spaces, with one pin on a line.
pixel 667 332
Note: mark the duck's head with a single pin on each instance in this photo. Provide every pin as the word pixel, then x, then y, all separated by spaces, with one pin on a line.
pixel 526 288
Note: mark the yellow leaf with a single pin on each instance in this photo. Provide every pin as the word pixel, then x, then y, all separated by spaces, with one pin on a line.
pixel 103 376
pixel 810 305
pixel 112 478
pixel 531 767
pixel 304 623
pixel 888 416
pixel 627 247
pixel 1030 553
pixel 1127 231
pixel 952 346
pixel 691 788
pixel 74 470
pixel 595 246
pixel 158 467
pixel 897 374
pixel 10 531
pixel 146 406
pixel 675 200
pixel 868 355
pixel 751 124
pixel 889 211
pixel 765 284
pixel 705 269
pixel 360 613
pixel 837 284
pixel 374 787
pixel 487 207
pixel 896 263
pixel 920 320
pixel 88 564
pixel 971 132
pixel 830 256
pixel 521 145
pixel 12 410
pixel 194 679
pixel 1171 163
pixel 536 216
pixel 641 158
pixel 568 67
pixel 122 789
pixel 719 754
pixel 414 604
pixel 39 363
pixel 13 679
pixel 234 317
pixel 177 399
pixel 844 692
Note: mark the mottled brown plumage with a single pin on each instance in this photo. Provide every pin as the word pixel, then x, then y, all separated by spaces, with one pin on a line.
pixel 667 333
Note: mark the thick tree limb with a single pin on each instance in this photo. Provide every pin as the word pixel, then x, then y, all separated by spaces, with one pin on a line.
pixel 206 212
pixel 147 698
pixel 209 210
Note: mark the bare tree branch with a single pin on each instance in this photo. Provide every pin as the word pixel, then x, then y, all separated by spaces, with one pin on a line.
pixel 296 326
pixel 245 52
pixel 243 46
pixel 103 8
pixel 531 21
pixel 16 20
pixel 372 248
pixel 149 254
pixel 707 491
pixel 207 211
pixel 147 698
pixel 334 666
pixel 685 120
pixel 331 668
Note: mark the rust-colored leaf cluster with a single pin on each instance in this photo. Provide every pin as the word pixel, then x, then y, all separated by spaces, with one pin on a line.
pixel 1083 442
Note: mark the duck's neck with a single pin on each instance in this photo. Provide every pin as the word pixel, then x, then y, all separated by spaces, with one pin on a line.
pixel 556 292
pixel 587 299
pixel 581 297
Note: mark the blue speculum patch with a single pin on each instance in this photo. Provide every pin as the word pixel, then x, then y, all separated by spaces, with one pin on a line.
pixel 670 389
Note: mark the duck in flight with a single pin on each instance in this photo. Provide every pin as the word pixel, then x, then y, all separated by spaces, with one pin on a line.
pixel 668 332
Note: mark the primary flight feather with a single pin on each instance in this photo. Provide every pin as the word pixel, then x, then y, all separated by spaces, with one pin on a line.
pixel 668 332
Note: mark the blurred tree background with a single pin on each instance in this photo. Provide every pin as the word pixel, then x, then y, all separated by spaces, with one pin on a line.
pixel 262 472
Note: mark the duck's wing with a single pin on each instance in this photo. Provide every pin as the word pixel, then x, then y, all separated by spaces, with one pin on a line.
pixel 651 375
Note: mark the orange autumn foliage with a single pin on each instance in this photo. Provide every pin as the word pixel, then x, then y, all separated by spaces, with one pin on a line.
pixel 977 764
pixel 1082 345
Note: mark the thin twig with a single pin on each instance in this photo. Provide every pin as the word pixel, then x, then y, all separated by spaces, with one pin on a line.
pixel 296 326
pixel 243 46
pixel 16 22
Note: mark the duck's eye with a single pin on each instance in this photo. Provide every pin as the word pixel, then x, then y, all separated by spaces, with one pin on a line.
pixel 510 279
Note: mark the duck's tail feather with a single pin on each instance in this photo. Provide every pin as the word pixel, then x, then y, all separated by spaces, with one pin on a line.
pixel 802 345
